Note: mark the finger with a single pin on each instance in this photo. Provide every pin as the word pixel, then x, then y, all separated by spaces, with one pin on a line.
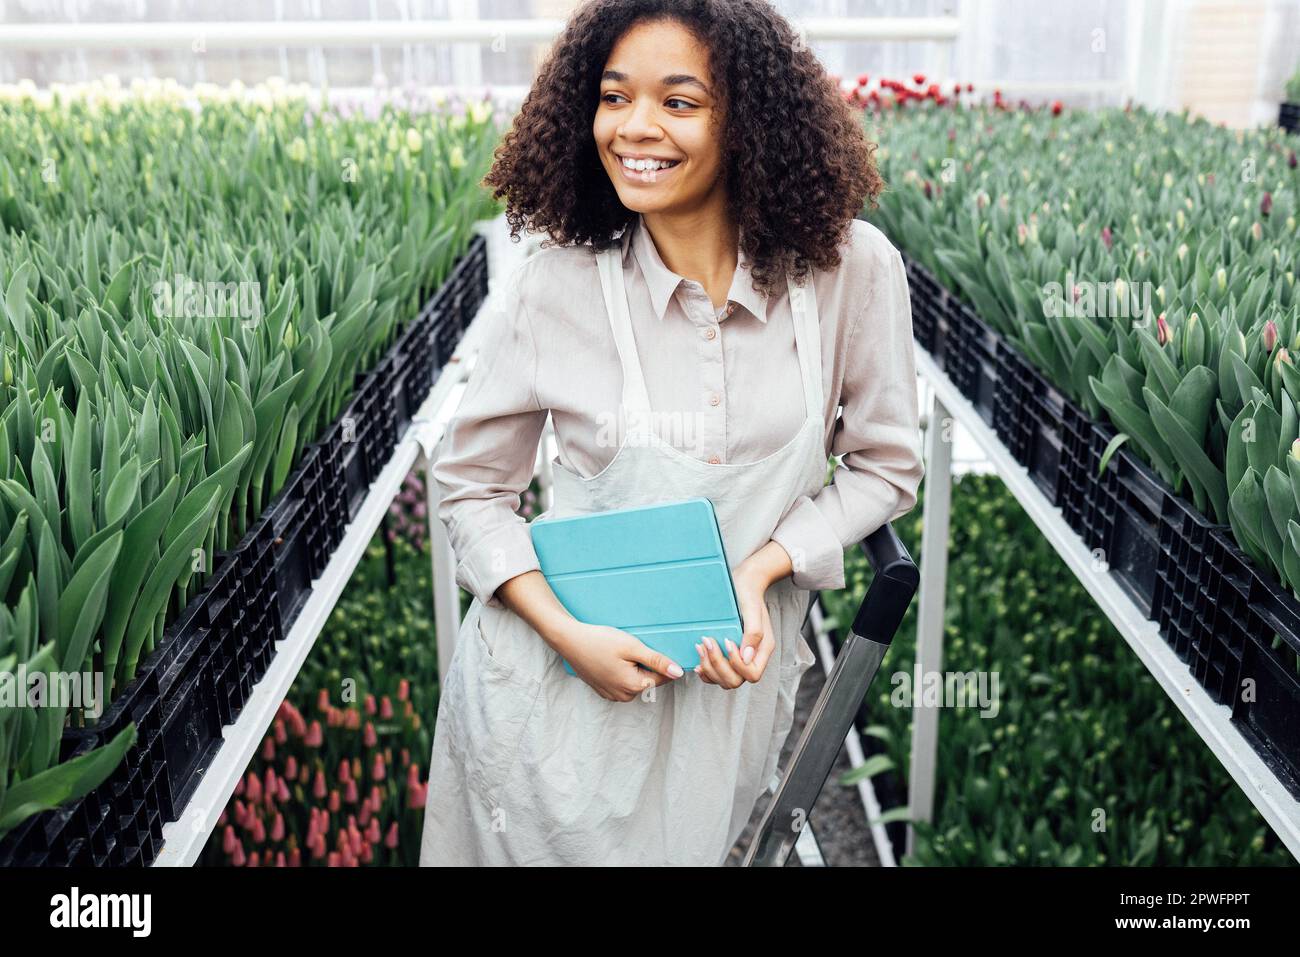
pixel 705 668
pixel 657 662
pixel 703 663
pixel 759 664
pixel 727 676
pixel 753 636
pixel 768 645
pixel 746 670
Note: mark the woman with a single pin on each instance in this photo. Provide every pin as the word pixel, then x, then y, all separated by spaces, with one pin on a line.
pixel 695 169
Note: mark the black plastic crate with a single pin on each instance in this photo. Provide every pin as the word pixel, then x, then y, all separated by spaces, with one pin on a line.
pixel 1222 622
pixel 377 430
pixel 1009 401
pixel 925 295
pixel 1041 431
pixel 1083 441
pixel 972 365
pixel 293 559
pixel 1129 508
pixel 403 368
pixel 1184 572
pixel 343 463
pixel 1266 698
pixel 300 551
pixel 419 347
pixel 946 346
pixel 245 592
pixel 460 298
pixel 60 836
pixel 235 685
pixel 128 801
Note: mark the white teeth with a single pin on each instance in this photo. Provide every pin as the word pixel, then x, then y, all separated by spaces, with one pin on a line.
pixel 644 164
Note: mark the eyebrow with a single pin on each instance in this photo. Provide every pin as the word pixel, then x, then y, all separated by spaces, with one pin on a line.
pixel 672 79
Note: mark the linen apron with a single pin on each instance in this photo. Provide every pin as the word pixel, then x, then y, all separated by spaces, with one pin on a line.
pixel 530 766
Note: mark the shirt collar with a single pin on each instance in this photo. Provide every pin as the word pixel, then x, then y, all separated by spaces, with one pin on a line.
pixel 663 282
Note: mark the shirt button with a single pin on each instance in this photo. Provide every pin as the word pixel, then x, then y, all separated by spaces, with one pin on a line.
pixel 710 333
pixel 715 460
pixel 714 399
pixel 731 307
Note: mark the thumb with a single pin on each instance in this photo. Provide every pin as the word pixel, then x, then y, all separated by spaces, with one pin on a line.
pixel 643 654
pixel 753 637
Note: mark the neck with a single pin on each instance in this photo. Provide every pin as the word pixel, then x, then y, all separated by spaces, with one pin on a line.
pixel 703 245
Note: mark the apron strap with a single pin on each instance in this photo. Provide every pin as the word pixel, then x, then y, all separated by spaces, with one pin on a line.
pixel 635 396
pixel 808 343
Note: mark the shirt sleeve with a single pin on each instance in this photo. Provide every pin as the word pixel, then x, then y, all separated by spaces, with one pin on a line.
pixel 486 457
pixel 878 440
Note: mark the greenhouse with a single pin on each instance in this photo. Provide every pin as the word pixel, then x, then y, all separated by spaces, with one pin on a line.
pixel 396 467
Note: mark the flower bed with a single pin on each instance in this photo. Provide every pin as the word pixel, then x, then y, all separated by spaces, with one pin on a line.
pixel 1004 224
pixel 1083 735
pixel 338 780
pixel 165 429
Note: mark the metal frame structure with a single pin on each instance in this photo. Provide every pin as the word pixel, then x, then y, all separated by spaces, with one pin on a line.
pixel 219 34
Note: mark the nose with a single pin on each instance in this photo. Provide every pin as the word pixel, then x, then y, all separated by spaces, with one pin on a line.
pixel 640 123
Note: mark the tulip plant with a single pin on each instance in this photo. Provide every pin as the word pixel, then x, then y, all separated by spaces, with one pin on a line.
pixel 1145 264
pixel 189 285
pixel 343 793
pixel 365 699
pixel 1086 761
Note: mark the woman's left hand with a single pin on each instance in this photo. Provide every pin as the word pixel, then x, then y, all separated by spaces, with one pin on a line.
pixel 730 667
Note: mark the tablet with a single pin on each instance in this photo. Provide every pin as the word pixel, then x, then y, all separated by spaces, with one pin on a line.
pixel 658 572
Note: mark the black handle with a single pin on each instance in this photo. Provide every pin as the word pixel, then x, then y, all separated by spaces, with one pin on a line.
pixel 892 588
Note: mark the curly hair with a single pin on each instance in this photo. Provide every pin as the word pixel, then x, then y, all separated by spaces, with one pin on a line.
pixel 798 164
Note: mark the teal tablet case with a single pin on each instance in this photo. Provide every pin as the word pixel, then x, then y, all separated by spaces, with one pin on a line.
pixel 658 572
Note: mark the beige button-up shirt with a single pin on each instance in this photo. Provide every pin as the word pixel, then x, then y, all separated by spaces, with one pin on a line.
pixel 732 373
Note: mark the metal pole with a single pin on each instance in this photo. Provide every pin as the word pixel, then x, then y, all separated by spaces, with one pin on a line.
pixel 446 592
pixel 930 613
pixel 240 34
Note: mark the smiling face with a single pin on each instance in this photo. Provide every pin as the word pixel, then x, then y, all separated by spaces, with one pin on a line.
pixel 657 112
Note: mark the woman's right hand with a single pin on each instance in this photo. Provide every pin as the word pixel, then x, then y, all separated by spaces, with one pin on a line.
pixel 609 659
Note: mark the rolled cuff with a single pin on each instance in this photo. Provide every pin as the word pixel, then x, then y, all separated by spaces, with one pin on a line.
pixel 815 551
pixel 498 557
